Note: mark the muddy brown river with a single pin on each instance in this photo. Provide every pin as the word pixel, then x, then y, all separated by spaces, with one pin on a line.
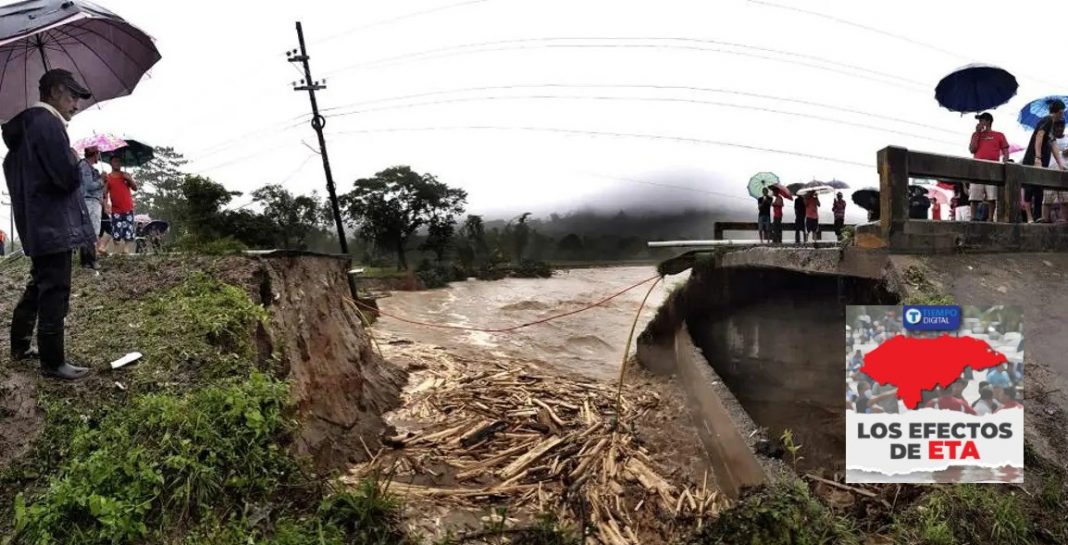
pixel 590 343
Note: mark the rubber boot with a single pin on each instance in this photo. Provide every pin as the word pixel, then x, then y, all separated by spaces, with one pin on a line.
pixel 53 362
pixel 22 322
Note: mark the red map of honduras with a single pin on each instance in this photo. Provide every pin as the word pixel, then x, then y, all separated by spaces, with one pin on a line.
pixel 915 364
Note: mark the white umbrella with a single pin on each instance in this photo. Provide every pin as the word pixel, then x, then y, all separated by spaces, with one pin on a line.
pixel 819 189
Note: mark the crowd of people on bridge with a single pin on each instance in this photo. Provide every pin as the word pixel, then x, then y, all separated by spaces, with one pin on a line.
pixel 806 216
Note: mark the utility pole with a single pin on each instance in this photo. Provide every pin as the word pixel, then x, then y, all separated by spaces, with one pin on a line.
pixel 317 123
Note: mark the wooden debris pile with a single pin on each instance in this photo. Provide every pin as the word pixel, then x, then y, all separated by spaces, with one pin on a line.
pixel 544 444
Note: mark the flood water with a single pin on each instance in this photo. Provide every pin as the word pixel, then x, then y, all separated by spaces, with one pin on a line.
pixel 590 343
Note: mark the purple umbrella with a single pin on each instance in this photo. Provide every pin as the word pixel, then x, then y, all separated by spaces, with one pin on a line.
pixel 104 52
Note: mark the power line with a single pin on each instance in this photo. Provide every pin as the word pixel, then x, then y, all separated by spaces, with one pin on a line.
pixel 243 158
pixel 396 19
pixel 887 33
pixel 644 87
pixel 612 134
pixel 653 99
pixel 281 127
pixel 534 43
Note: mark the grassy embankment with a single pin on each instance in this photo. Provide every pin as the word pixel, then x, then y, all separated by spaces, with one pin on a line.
pixel 188 446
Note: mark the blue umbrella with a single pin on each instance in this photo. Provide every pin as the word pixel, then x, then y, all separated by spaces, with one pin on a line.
pixel 1033 113
pixel 976 88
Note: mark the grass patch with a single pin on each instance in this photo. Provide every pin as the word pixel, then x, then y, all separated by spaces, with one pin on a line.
pixel 780 514
pixel 163 461
pixel 967 513
pixel 194 450
pixel 922 290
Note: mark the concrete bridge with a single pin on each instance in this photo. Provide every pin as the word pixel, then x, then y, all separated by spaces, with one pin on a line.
pixel 757 333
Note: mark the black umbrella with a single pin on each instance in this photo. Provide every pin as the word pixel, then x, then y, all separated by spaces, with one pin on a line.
pixel 104 52
pixel 976 88
pixel 133 154
pixel 797 186
pixel 867 198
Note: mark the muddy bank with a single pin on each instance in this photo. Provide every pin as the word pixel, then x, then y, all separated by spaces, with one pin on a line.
pixel 341 386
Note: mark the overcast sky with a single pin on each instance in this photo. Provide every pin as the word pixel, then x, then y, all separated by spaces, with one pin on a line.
pixel 832 93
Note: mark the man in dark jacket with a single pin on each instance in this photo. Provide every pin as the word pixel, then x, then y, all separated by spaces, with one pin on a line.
pixel 50 215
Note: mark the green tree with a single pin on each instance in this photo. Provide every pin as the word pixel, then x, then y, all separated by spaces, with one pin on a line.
pixel 294 219
pixel 390 207
pixel 571 247
pixel 202 211
pixel 471 247
pixel 162 178
pixel 439 236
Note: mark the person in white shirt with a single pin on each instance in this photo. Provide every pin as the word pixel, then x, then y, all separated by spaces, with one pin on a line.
pixel 985 404
pixel 1050 196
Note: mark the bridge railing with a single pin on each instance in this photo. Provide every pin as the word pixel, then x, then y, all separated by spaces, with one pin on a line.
pixel 897 165
pixel 720 227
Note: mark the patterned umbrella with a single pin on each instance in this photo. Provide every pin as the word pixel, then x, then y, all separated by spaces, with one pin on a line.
pixel 102 142
pixel 1033 112
pixel 976 88
pixel 759 181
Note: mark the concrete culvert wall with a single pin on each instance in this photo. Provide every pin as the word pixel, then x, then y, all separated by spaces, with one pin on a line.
pixel 771 338
pixel 781 351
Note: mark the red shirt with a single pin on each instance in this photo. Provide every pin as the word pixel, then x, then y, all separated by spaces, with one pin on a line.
pixel 121 198
pixel 812 210
pixel 950 403
pixel 990 145
pixel 776 207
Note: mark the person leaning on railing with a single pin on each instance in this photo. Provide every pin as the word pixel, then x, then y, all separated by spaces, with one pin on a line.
pixel 1053 196
pixel 1039 153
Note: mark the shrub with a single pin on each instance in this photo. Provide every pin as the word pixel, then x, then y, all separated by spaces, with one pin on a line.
pixel 163 461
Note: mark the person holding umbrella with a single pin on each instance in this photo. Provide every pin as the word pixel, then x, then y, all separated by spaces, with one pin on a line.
pixel 838 207
pixel 799 220
pixel 45 187
pixel 764 216
pixel 1038 154
pixel 987 145
pixel 93 193
pixel 812 216
pixel 776 216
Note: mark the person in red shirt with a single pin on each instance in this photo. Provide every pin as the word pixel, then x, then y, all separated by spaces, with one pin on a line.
pixel 117 192
pixel 952 399
pixel 812 216
pixel 776 216
pixel 988 145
